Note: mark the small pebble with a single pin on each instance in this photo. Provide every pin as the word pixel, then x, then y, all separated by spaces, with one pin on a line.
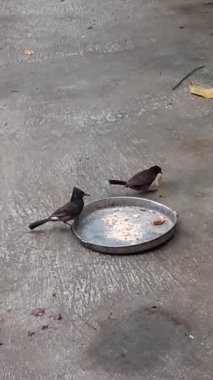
pixel 56 317
pixel 38 312
pixel 45 327
pixel 123 353
pixel 198 195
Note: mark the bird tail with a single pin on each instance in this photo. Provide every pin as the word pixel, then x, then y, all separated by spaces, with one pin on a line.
pixel 38 223
pixel 117 182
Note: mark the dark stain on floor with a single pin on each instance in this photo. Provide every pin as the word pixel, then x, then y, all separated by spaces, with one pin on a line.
pixel 142 341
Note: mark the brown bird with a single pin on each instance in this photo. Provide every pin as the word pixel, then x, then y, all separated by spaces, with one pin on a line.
pixel 147 180
pixel 67 212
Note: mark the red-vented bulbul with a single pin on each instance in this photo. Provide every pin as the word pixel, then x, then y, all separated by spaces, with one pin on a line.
pixel 146 180
pixel 67 212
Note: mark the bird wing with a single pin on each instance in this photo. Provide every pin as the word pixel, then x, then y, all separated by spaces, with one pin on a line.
pixel 69 208
pixel 144 178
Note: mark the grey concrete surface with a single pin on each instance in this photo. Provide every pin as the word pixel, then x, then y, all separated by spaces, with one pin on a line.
pixel 89 104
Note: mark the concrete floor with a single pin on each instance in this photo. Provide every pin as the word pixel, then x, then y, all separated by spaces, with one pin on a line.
pixel 89 104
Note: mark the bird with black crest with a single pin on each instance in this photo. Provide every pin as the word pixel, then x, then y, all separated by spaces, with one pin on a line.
pixel 67 212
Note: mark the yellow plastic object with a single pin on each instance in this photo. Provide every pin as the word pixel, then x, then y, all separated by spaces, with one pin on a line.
pixel 205 92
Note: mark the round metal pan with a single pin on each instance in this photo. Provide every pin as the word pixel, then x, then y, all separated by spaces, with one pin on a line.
pixel 124 225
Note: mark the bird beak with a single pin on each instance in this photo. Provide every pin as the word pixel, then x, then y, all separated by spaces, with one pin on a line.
pixel 86 195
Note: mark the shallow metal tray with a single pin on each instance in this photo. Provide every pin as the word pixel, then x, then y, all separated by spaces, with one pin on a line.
pixel 123 225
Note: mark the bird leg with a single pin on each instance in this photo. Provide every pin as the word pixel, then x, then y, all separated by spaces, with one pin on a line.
pixel 68 224
pixel 152 190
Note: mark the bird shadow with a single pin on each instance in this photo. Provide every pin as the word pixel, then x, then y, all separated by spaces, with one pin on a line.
pixel 163 192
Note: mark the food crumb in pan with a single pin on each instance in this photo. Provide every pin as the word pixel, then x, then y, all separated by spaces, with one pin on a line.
pixel 158 220
pixel 121 228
